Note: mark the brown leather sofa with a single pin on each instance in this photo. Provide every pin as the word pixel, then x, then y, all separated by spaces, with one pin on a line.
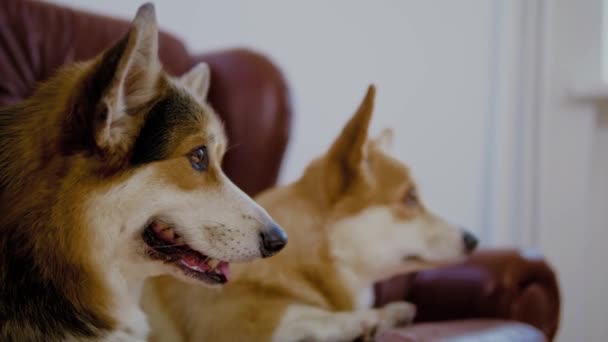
pixel 496 295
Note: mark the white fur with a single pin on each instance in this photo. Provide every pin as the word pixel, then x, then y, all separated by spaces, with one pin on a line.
pixel 221 222
pixel 127 292
pixel 384 141
pixel 197 81
pixel 115 336
pixel 365 298
pixel 308 323
pixel 372 245
pixel 368 247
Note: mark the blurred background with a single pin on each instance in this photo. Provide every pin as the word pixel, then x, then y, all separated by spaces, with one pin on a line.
pixel 496 106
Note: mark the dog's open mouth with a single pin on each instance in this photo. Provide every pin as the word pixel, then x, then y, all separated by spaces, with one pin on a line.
pixel 169 247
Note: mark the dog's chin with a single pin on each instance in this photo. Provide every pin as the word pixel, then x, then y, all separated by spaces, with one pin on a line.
pixel 165 245
pixel 415 263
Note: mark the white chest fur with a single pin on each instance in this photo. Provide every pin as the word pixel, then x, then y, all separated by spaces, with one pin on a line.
pixel 131 319
pixel 365 298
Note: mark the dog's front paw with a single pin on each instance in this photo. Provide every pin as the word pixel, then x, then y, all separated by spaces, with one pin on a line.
pixel 389 316
pixel 395 314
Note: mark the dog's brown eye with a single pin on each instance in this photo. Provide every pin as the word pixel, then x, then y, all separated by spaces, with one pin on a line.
pixel 411 198
pixel 199 158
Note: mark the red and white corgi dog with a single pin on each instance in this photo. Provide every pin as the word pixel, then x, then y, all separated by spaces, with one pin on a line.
pixel 354 218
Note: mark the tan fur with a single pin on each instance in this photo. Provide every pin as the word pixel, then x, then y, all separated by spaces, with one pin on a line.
pixel 312 290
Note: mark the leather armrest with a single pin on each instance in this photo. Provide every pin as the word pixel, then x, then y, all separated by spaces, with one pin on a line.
pixel 476 330
pixel 504 284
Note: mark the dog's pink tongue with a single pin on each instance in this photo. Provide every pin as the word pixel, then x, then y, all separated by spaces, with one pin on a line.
pixel 224 267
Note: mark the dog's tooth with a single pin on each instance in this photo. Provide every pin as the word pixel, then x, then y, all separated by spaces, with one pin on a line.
pixel 160 226
pixel 167 234
pixel 156 227
pixel 213 263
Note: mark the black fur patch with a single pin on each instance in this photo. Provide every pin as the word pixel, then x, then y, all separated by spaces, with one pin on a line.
pixel 173 116
pixel 32 307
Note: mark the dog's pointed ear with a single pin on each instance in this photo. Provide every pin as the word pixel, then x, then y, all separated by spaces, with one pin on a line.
pixel 107 112
pixel 384 141
pixel 197 81
pixel 346 157
pixel 135 70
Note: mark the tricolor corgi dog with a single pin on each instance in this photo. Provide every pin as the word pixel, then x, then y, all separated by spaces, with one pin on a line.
pixel 109 174
pixel 354 218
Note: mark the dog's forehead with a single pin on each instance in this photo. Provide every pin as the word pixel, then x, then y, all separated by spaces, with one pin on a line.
pixel 388 171
pixel 176 118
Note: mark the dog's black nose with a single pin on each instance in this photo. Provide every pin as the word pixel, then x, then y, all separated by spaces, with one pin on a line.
pixel 470 241
pixel 273 240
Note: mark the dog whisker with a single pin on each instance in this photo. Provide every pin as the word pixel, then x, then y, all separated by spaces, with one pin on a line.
pixel 231 147
pixel 216 225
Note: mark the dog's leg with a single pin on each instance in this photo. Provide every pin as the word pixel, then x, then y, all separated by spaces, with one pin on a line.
pixel 115 336
pixel 121 336
pixel 307 323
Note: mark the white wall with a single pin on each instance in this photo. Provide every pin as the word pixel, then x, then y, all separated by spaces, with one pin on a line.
pixel 431 65
pixel 574 141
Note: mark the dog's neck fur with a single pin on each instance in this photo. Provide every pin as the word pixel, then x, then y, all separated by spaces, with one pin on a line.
pixel 360 286
pixel 336 236
pixel 127 287
pixel 37 278
pixel 310 249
